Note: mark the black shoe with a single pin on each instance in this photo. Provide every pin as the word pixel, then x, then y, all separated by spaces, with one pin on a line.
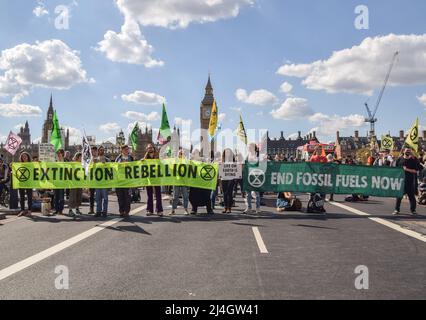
pixel 104 215
pixel 210 212
pixel 414 213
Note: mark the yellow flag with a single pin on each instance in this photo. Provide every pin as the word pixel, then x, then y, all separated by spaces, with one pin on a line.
pixel 213 121
pixel 242 131
pixel 387 143
pixel 413 137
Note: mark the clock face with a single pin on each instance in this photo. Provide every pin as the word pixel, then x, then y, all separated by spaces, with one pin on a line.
pixel 207 113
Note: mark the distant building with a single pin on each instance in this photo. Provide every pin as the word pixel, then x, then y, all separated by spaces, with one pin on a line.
pixel 25 135
pixel 348 146
pixel 205 114
pixel 288 147
pixel 144 138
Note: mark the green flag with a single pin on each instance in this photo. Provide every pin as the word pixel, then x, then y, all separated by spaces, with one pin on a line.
pixel 134 136
pixel 56 137
pixel 165 133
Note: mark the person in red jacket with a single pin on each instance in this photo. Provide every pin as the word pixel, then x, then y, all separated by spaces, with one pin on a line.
pixel 319 156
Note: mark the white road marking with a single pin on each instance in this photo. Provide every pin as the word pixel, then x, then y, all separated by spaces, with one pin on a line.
pixel 259 240
pixel 17 267
pixel 384 222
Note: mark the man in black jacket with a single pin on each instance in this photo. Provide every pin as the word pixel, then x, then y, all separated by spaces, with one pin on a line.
pixel 411 166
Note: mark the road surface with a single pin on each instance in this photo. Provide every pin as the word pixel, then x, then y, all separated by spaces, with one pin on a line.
pixel 266 256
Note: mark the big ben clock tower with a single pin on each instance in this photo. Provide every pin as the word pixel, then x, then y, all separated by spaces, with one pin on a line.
pixel 205 114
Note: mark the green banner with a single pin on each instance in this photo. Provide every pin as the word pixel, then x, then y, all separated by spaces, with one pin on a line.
pixel 60 175
pixel 324 178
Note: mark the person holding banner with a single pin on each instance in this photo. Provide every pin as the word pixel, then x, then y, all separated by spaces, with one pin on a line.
pixel 411 166
pixel 178 191
pixel 252 158
pixel 75 194
pixel 59 194
pixel 151 153
pixel 25 157
pixel 101 194
pixel 92 192
pixel 199 197
pixel 123 194
pixel 228 185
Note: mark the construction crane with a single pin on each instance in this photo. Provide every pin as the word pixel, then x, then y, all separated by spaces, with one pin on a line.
pixel 372 114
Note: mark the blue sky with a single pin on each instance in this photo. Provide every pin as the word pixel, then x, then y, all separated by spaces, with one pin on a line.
pixel 242 49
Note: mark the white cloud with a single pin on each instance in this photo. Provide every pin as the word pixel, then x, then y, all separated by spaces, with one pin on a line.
pixel 236 109
pixel 109 127
pixel 75 135
pixel 293 136
pixel 47 64
pixel 293 108
pixel 178 13
pixel 362 68
pixel 138 116
pixel 15 110
pixel 18 126
pixel 286 87
pixel 128 46
pixel 260 97
pixel 40 10
pixel 183 122
pixel 329 125
pixel 142 125
pixel 222 117
pixel 422 99
pixel 145 98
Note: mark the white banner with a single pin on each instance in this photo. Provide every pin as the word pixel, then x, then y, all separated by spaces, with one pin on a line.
pixel 46 152
pixel 230 171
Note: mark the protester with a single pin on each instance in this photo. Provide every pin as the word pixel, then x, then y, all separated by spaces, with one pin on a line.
pixel 59 194
pixel 217 159
pixel 315 205
pixel 92 192
pixel 25 158
pixel 101 194
pixel 283 201
pixel 123 194
pixel 151 153
pixel 228 185
pixel 180 191
pixel 411 166
pixel 3 175
pixel 253 159
pixel 199 197
pixel 75 194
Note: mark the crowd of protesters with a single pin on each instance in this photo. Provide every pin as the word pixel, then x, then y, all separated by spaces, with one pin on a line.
pixel 225 194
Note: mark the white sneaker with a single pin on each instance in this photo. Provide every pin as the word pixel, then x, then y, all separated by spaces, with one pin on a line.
pixel 248 211
pixel 258 211
pixel 396 212
pixel 186 212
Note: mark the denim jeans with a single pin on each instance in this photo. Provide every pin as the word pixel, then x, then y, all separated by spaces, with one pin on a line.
pixel 59 195
pixel 102 201
pixel 177 191
pixel 249 197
